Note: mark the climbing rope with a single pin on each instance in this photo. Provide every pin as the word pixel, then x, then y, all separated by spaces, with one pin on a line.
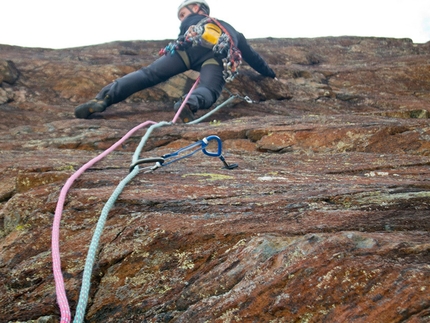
pixel 231 98
pixel 55 245
pixel 89 263
pixel 92 251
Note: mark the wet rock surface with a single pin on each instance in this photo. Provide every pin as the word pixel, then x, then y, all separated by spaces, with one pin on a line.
pixel 326 219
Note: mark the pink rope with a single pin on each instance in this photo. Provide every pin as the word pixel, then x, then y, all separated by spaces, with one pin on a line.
pixel 185 101
pixel 55 243
pixel 56 261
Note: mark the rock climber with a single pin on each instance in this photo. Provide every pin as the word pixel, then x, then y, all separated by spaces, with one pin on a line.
pixel 205 44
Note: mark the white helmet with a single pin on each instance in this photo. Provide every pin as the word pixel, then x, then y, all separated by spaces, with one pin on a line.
pixel 203 5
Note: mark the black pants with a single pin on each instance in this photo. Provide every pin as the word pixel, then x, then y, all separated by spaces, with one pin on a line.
pixel 209 88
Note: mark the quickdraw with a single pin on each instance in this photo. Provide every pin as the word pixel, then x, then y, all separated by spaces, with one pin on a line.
pixel 210 33
pixel 199 145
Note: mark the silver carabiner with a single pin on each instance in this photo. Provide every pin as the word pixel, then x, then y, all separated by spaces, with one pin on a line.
pixel 248 99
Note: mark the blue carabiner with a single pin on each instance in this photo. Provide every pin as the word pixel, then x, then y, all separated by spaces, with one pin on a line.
pixel 205 143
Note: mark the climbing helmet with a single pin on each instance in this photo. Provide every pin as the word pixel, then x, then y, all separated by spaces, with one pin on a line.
pixel 202 3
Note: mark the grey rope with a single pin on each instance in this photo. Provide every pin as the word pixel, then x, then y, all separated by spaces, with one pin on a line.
pixel 92 251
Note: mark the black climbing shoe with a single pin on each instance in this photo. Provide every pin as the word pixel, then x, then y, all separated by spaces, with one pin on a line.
pixel 187 114
pixel 83 111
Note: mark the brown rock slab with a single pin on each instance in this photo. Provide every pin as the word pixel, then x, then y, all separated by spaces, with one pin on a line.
pixel 326 219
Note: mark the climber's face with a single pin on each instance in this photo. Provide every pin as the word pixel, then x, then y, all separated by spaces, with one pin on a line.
pixel 188 10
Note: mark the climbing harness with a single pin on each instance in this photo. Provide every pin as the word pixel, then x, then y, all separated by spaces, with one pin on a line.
pixel 133 171
pixel 210 30
pixel 210 33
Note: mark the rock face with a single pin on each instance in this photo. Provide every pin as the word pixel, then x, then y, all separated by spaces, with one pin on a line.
pixel 326 219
